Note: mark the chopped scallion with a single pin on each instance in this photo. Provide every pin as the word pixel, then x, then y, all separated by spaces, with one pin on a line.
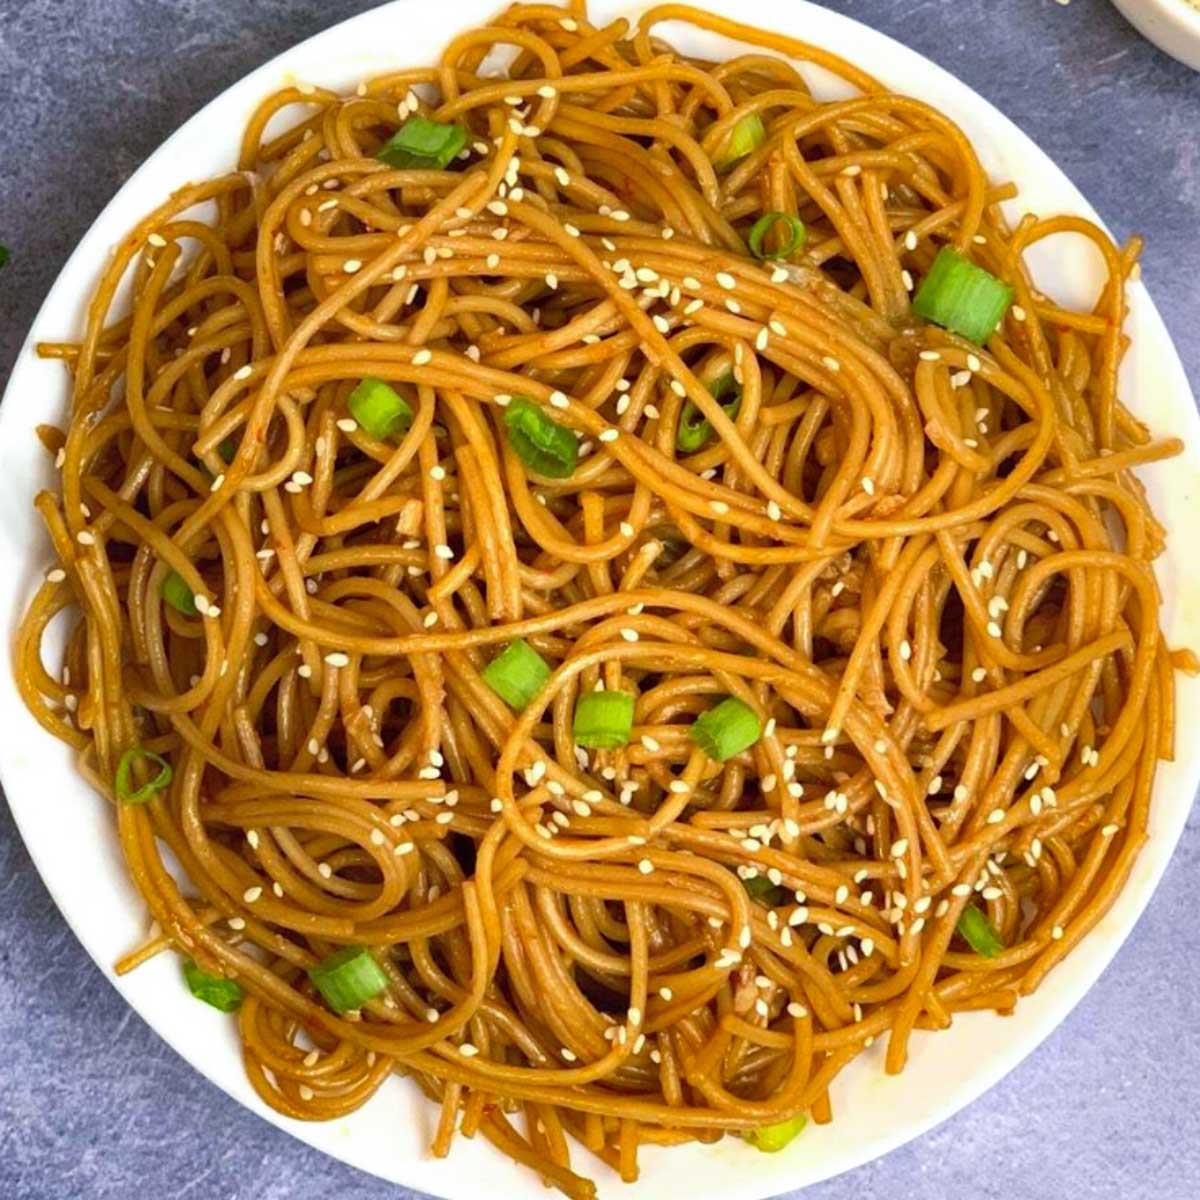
pixel 747 135
pixel 349 978
pixel 178 595
pixel 222 993
pixel 517 674
pixel 125 767
pixel 4 255
pixel 962 297
pixel 761 888
pixel 423 145
pixel 603 720
pixel 379 409
pixel 227 450
pixel 543 445
pixel 979 933
pixel 728 729
pixel 771 1138
pixel 797 235
pixel 694 428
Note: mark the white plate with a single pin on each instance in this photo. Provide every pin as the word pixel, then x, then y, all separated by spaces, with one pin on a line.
pixel 70 835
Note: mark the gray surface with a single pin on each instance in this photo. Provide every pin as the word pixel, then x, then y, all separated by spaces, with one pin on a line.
pixel 92 1104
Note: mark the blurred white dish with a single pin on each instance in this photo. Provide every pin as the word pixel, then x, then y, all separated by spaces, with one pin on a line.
pixel 1172 25
pixel 70 833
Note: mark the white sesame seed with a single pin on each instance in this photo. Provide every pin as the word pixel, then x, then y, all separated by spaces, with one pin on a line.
pixel 337 659
pixel 422 357
pixel 609 435
pixel 251 894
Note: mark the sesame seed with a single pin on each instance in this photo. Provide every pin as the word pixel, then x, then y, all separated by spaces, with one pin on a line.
pixel 831 363
pixel 868 485
pixel 727 281
pixel 337 659
pixel 1056 933
pixel 630 635
pixel 85 538
pixel 422 357
pixel 679 786
pixel 905 651
pixel 609 435
pixel 1018 312
pixel 251 894
pixel 910 240
pixel 995 816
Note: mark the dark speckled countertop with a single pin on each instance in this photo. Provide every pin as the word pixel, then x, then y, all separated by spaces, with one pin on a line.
pixel 93 1105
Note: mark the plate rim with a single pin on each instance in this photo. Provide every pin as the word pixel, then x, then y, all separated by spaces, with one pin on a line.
pixel 842 30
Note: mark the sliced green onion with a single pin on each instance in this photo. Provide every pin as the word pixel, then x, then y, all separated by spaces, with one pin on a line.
pixel 227 450
pixel 771 1138
pixel 761 888
pixel 541 444
pixel 694 427
pixel 379 409
pixel 962 297
pixel 516 674
pixel 747 135
pixel 221 993
pixel 603 720
pixel 178 595
pixel 797 235
pixel 4 255
pixel 349 978
pixel 728 729
pixel 125 768
pixel 423 145
pixel 979 933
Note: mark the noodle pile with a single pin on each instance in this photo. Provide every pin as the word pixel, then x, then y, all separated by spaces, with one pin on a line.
pixel 925 565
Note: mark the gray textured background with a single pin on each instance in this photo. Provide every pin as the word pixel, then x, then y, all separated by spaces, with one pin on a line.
pixel 92 1104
